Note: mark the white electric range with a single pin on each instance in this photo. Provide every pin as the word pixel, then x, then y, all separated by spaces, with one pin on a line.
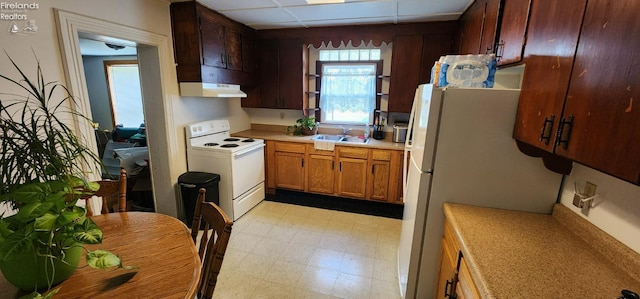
pixel 239 162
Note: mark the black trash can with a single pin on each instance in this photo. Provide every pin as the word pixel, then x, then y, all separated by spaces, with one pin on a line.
pixel 190 183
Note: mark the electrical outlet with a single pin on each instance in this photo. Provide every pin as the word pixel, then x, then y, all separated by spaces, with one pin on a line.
pixel 281 115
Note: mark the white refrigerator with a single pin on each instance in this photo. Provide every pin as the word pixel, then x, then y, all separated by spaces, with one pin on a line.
pixel 462 151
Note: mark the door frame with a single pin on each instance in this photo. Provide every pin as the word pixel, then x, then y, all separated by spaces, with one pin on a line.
pixel 155 61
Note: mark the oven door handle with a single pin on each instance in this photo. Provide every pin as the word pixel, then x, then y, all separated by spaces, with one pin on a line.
pixel 249 150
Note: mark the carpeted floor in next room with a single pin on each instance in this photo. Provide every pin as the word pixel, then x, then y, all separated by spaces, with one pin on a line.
pixel 281 250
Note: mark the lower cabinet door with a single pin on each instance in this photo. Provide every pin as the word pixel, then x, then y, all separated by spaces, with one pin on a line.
pixel 352 177
pixel 289 170
pixel 321 174
pixel 447 276
pixel 379 180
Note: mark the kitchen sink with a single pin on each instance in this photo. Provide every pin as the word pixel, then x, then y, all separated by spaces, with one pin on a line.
pixel 328 137
pixel 354 139
pixel 340 138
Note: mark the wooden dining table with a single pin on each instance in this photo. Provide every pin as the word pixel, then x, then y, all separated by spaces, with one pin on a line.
pixel 159 246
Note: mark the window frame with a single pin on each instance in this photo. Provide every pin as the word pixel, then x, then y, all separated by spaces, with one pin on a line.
pixel 319 68
pixel 107 75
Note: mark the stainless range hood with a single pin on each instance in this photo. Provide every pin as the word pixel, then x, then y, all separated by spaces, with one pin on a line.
pixel 217 90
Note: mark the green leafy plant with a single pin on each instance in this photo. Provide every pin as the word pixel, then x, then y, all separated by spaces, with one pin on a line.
pixel 304 126
pixel 43 165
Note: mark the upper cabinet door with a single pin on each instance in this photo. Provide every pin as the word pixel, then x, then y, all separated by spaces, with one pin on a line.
pixel 554 28
pixel 291 72
pixel 471 25
pixel 405 72
pixel 513 29
pixel 489 27
pixel 604 90
pixel 213 40
pixel 233 49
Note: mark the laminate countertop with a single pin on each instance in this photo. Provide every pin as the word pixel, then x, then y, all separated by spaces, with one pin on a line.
pixel 279 133
pixel 514 254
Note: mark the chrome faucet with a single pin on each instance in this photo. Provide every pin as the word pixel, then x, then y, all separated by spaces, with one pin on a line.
pixel 345 131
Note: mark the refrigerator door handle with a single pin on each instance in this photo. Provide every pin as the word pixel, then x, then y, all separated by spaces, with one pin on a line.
pixel 408 144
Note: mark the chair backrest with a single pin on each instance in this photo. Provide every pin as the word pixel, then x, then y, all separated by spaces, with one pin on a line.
pixel 212 248
pixel 112 192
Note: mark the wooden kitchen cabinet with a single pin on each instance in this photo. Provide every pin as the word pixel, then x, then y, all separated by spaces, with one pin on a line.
pixel 352 171
pixel 477 27
pixel 447 274
pixel 514 18
pixel 386 171
pixel 221 47
pixel 576 102
pixel 479 32
pixel 282 69
pixel 604 84
pixel 321 171
pixel 355 172
pixel 465 288
pixel 289 163
pixel 454 279
pixel 411 66
pixel 210 47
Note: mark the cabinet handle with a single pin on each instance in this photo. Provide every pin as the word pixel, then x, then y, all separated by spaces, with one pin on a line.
pixel 222 58
pixel 302 162
pixel 447 292
pixel 332 162
pixel 373 169
pixel 340 166
pixel 545 134
pixel 499 50
pixel 561 131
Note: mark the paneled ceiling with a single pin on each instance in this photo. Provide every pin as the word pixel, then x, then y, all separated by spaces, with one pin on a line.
pixel 271 14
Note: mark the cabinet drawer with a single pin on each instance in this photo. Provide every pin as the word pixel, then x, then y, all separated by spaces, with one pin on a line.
pixel 381 155
pixel 312 151
pixel 354 152
pixel 290 147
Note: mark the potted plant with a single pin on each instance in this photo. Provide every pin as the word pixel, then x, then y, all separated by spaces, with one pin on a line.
pixel 43 164
pixel 304 126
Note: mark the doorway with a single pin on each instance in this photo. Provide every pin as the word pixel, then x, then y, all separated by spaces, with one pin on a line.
pixel 112 78
pixel 155 65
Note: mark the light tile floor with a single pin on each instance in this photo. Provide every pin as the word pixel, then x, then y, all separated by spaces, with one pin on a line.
pixel 281 250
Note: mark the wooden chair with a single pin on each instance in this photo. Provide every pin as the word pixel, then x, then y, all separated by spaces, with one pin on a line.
pixel 111 191
pixel 211 249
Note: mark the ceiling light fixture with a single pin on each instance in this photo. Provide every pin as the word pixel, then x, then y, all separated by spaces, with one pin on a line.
pixel 325 1
pixel 115 47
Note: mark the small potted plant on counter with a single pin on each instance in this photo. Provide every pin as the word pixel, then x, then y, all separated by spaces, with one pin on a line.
pixel 43 165
pixel 304 126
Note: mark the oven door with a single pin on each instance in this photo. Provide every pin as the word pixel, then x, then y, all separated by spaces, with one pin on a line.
pixel 247 169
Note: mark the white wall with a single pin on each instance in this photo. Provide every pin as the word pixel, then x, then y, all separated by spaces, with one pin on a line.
pixel 616 210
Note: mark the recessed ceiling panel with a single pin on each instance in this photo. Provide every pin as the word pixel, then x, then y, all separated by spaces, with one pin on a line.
pixel 257 16
pixel 336 12
pixel 271 14
pixel 222 5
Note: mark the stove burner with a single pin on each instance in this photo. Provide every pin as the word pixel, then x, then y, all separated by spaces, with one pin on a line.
pixel 210 144
pixel 248 140
pixel 229 145
pixel 231 139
